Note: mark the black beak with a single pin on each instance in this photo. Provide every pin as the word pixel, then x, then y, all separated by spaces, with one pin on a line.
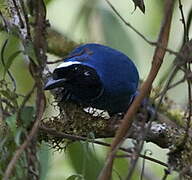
pixel 51 83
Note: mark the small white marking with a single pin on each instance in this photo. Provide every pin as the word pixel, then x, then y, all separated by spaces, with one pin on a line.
pixel 66 64
pixel 87 73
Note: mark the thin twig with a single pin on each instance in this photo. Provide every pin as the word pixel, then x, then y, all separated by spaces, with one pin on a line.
pixel 166 173
pixel 26 98
pixel 157 61
pixel 32 134
pixel 3 26
pixel 3 62
pixel 170 86
pixel 189 20
pixel 37 75
pixel 128 24
pixel 189 107
pixel 145 89
pixel 143 163
pixel 57 134
pixel 156 44
pixel 6 101
pixel 186 35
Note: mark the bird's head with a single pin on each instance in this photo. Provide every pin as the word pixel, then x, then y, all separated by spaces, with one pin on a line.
pixel 73 73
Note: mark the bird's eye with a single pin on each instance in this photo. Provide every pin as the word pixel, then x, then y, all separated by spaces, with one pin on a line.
pixel 76 68
pixel 87 73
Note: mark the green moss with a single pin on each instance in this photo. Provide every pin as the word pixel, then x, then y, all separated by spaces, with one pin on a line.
pixel 74 120
pixel 180 155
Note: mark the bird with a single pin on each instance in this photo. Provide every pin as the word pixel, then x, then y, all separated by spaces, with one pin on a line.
pixel 97 76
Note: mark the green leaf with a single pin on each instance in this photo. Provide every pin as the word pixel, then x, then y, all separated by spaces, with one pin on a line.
pixel 11 122
pixel 75 177
pixel 18 136
pixel 30 51
pixel 17 132
pixel 27 115
pixel 2 143
pixel 164 76
pixel 84 161
pixel 140 4
pixel 10 60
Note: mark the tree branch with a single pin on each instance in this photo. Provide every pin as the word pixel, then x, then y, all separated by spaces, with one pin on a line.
pixel 145 89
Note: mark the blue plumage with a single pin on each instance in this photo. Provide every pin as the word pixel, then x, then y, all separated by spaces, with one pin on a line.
pixel 98 76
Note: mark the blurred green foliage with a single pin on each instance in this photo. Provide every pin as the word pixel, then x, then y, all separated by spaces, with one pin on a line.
pixel 90 21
